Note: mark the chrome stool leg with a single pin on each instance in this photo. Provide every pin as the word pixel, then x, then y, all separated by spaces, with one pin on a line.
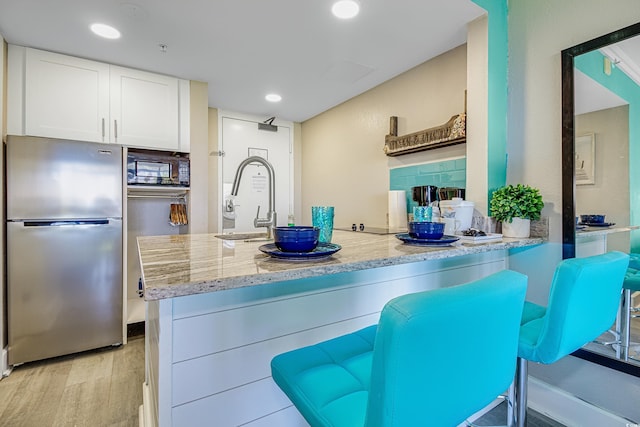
pixel 520 402
pixel 511 403
pixel 625 326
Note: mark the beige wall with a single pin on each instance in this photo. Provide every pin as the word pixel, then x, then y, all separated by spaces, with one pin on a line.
pixel 538 31
pixel 343 164
pixel 610 193
pixel 297 173
pixel 199 130
pixel 477 114
pixel 213 172
pixel 3 86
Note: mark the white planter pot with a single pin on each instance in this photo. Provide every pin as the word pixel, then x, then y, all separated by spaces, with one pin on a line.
pixel 519 227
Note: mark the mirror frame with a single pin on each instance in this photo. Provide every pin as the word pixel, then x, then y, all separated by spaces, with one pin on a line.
pixel 568 168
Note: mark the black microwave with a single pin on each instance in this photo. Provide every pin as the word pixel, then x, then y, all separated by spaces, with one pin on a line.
pixel 162 168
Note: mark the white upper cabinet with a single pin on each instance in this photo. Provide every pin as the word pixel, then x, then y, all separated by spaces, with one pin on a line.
pixel 65 97
pixel 144 109
pixel 60 96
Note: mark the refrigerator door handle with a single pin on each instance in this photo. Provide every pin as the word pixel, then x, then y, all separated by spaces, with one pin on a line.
pixel 59 223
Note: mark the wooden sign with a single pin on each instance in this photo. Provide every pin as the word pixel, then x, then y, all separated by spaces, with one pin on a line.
pixel 451 133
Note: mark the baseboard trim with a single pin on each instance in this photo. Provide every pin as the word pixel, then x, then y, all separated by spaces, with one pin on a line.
pixel 145 417
pixel 569 410
pixel 5 369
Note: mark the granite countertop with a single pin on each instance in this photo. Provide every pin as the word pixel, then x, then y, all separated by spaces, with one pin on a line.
pixel 180 265
pixel 601 231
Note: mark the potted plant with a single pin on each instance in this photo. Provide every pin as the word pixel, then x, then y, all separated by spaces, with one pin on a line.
pixel 515 206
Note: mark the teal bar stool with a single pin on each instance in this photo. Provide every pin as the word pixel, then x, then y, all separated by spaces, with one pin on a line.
pixel 409 370
pixel 627 310
pixel 583 303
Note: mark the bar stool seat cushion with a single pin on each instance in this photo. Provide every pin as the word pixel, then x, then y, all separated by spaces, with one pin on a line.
pixel 531 312
pixel 632 279
pixel 634 261
pixel 339 372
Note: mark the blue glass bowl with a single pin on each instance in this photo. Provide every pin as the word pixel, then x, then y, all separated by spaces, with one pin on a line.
pixel 296 239
pixel 592 219
pixel 426 230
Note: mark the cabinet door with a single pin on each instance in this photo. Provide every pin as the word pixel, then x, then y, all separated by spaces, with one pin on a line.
pixel 66 97
pixel 144 109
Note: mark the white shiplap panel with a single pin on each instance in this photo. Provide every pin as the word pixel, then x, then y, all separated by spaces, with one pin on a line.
pixel 195 305
pixel 222 371
pixel 207 334
pixel 234 407
pixel 289 417
pixel 198 377
pixel 223 344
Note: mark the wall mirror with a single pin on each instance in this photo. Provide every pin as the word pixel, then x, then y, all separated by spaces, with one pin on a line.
pixel 601 162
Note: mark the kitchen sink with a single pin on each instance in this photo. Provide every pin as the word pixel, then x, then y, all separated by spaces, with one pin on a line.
pixel 243 236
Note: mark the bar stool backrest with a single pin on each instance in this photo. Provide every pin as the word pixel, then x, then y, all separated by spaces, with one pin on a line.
pixel 440 356
pixel 583 302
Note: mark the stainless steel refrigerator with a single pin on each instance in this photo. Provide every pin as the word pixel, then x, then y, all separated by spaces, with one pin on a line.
pixel 64 247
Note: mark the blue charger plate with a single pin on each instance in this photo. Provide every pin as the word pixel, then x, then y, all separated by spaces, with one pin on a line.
pixel 443 241
pixel 597 224
pixel 323 250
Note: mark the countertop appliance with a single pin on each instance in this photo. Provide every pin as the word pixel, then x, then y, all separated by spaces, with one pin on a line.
pixel 448 193
pixel 64 247
pixel 160 168
pixel 425 194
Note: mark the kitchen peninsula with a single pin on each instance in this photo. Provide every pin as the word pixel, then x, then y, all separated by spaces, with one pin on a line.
pixel 219 310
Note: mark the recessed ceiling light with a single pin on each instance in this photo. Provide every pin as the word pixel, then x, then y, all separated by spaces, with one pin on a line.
pixel 106 31
pixel 273 97
pixel 346 9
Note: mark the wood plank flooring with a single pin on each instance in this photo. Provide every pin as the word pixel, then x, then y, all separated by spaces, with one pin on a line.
pixel 103 388
pixel 97 388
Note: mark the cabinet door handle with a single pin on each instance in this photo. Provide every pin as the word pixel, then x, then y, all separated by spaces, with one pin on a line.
pixel 115 130
pixel 103 128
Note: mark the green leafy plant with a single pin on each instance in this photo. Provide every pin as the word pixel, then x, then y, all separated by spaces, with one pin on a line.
pixel 516 201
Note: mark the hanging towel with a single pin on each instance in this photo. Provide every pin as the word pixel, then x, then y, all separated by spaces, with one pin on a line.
pixel 178 214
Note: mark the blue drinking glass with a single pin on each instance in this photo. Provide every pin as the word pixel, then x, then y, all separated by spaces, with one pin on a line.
pixel 322 217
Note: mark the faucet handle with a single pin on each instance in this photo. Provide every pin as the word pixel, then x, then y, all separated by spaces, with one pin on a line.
pixel 258 213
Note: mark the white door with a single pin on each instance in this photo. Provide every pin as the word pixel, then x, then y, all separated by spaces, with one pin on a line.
pixel 241 138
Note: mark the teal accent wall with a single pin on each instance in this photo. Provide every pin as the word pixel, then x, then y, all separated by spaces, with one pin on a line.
pixel 449 173
pixel 592 64
pixel 452 173
pixel 498 58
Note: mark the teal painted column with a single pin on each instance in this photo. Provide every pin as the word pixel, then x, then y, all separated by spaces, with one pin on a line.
pixel 591 64
pixel 498 58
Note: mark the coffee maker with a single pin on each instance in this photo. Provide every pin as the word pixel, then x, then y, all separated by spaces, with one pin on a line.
pixel 448 193
pixel 424 195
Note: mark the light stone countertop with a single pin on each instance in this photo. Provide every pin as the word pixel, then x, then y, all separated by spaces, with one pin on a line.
pixel 601 231
pixel 180 265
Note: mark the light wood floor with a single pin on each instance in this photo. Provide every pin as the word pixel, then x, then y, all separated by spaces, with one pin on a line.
pixel 93 389
pixel 104 388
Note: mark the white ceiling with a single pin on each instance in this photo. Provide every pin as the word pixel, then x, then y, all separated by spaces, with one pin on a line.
pixel 245 49
pixel 591 96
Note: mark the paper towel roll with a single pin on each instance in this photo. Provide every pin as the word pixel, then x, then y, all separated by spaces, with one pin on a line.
pixel 397 210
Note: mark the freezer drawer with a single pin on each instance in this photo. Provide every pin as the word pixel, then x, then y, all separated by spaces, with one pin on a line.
pixel 64 288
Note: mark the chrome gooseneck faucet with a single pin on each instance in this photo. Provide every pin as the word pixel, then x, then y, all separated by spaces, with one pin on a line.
pixel 270 221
